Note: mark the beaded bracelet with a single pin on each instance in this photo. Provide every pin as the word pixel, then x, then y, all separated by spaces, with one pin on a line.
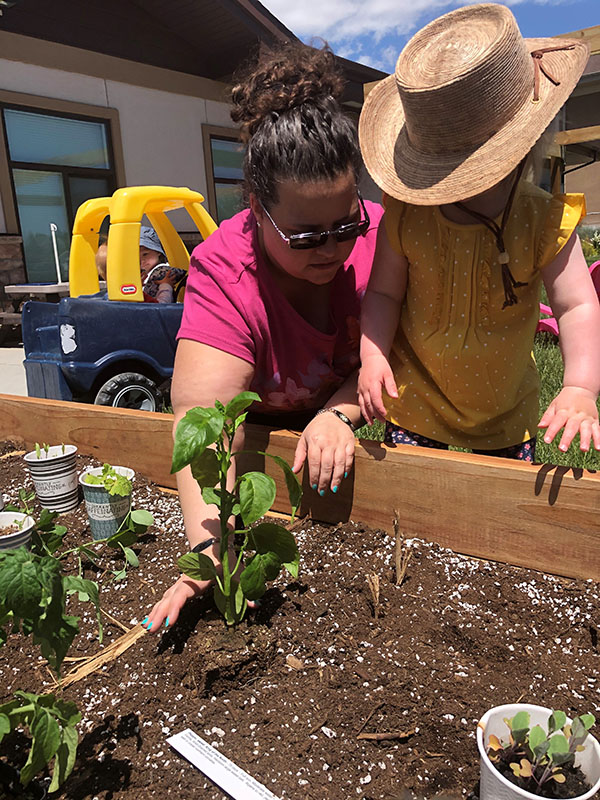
pixel 339 414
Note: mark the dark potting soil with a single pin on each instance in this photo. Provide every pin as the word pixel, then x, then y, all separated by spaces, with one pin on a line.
pixel 575 784
pixel 315 695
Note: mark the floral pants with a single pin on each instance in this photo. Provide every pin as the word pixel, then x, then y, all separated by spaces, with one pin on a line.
pixel 397 435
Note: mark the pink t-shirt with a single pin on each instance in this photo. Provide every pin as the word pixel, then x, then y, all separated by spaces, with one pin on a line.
pixel 233 303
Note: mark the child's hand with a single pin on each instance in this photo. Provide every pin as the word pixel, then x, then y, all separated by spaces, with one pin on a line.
pixel 374 374
pixel 573 409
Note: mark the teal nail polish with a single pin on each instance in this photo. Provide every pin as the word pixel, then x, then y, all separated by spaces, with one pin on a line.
pixel 149 626
pixel 167 622
pixel 314 486
pixel 145 620
pixel 335 488
pixel 322 492
pixel 345 474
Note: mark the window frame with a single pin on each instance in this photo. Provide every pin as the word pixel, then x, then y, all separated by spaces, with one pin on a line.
pixel 56 108
pixel 210 132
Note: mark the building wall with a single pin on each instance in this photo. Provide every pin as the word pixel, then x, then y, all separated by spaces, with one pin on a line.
pixel 160 130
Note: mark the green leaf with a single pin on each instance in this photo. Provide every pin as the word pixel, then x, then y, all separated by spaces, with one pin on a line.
pixel 239 600
pixel 197 566
pixel 131 557
pixel 119 574
pixel 537 735
pixel 520 720
pixel 588 720
pixel 211 496
pixel 4 725
pixel 556 721
pixel 206 468
pixel 200 428
pixel 46 738
pixel 142 517
pixel 122 538
pixel 257 493
pixel 262 567
pixel 240 403
pixel 558 745
pixel 293 485
pixel 270 537
pixel 87 590
pixel 65 758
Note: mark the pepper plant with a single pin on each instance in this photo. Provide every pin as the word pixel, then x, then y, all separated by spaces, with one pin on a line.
pixel 265 548
pixel 536 756
pixel 33 597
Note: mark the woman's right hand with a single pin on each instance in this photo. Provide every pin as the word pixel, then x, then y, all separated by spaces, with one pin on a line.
pixel 375 374
pixel 168 608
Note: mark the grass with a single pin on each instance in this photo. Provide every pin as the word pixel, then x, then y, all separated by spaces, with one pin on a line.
pixel 550 367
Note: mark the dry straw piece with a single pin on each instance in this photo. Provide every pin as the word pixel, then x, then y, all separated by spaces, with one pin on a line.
pixel 468 100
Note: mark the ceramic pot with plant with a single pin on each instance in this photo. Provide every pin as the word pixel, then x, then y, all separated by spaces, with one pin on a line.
pixel 107 494
pixel 529 751
pixel 15 530
pixel 54 474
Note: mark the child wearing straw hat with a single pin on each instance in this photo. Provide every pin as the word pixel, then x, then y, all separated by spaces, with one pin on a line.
pixel 451 309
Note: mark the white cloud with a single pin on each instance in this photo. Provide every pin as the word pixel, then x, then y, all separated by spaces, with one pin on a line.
pixel 340 20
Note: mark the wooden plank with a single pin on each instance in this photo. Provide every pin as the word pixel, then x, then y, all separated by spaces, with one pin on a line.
pixel 536 516
pixel 589 35
pixel 577 135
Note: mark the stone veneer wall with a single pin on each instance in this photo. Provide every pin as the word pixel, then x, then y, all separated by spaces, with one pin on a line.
pixel 12 265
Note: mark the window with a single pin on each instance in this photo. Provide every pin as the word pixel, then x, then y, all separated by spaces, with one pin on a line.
pixel 56 162
pixel 224 156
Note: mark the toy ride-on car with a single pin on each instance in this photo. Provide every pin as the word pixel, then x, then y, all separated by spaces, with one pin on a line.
pixel 112 348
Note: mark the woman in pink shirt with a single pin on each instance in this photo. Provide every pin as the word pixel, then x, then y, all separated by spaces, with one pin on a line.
pixel 272 302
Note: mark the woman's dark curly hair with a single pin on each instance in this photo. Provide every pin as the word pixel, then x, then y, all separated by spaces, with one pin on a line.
pixel 291 121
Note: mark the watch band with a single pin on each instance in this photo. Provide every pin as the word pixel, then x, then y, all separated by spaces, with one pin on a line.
pixel 204 545
pixel 339 414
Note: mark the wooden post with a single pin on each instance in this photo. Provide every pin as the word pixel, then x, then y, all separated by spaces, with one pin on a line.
pixel 538 516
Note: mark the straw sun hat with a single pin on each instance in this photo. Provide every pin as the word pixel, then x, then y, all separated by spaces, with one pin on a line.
pixel 468 100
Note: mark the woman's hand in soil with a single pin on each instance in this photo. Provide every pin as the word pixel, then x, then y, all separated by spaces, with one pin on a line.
pixel 327 443
pixel 168 608
pixel 374 376
pixel 575 410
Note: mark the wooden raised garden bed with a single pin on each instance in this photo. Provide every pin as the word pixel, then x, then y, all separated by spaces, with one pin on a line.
pixel 344 693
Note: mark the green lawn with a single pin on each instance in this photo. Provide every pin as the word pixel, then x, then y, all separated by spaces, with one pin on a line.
pixel 550 366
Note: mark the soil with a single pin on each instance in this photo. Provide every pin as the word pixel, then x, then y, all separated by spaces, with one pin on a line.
pixel 575 784
pixel 327 698
pixel 6 530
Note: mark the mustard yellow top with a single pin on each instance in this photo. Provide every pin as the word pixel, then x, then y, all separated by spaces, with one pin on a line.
pixel 463 365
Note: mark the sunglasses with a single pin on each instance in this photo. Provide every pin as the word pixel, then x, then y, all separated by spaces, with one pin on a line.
pixel 307 241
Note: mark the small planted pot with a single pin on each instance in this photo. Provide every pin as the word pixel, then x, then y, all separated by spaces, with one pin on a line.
pixel 106 512
pixel 494 786
pixel 15 530
pixel 55 477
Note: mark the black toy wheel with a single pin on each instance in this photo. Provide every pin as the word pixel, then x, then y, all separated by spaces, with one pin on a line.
pixel 129 390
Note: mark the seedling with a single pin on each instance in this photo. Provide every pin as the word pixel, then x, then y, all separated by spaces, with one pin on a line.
pixel 25 504
pixel 111 480
pixel 45 447
pixel 251 496
pixel 534 757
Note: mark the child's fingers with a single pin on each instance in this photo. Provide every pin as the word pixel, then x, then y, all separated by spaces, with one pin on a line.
pixel 365 407
pixel 585 435
pixel 390 384
pixel 547 417
pixel 569 433
pixel 557 422
pixel 596 434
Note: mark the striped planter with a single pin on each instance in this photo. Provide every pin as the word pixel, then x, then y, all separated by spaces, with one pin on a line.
pixel 55 477
pixel 20 538
pixel 106 512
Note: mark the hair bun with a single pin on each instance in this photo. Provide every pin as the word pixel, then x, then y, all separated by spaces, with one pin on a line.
pixel 283 79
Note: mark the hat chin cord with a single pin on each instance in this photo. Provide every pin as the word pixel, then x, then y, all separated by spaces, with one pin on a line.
pixel 508 281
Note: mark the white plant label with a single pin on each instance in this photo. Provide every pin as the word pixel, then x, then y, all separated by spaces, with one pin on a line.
pixel 233 780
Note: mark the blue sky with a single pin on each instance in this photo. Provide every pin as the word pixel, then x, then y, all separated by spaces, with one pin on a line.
pixel 374 31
